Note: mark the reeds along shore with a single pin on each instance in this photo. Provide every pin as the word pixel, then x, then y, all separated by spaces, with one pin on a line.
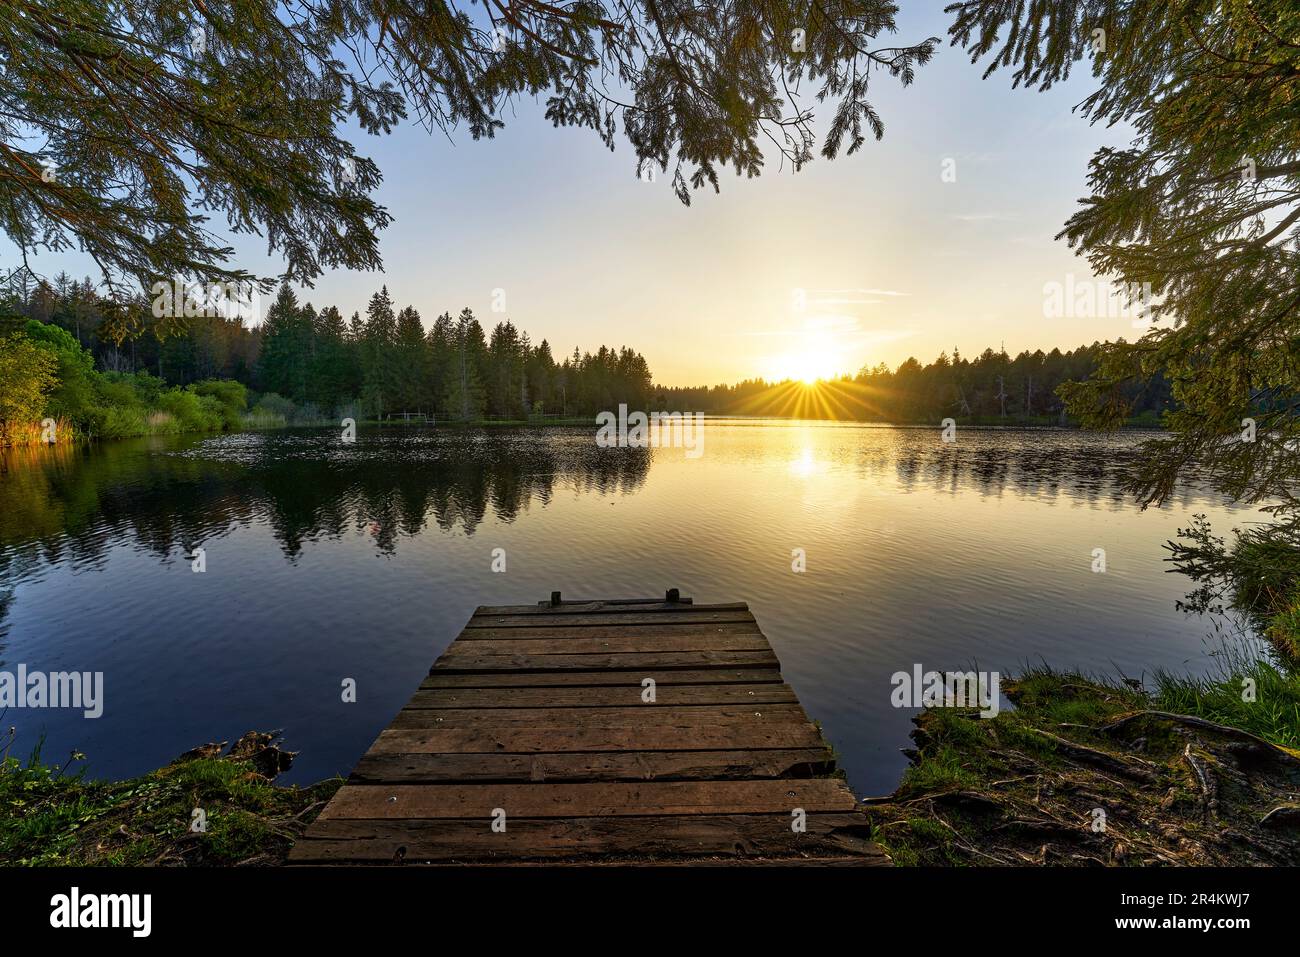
pixel 50 431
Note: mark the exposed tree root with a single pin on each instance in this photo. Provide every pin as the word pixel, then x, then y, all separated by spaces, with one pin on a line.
pixel 1125 786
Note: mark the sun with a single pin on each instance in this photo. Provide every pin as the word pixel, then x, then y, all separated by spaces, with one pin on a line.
pixel 814 354
pixel 808 366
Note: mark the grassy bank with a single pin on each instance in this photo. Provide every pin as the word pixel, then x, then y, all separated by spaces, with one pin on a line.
pixel 1087 772
pixel 54 816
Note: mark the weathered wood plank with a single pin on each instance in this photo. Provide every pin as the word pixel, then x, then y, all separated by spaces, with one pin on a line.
pixel 597 679
pixel 657 837
pixel 623 619
pixel 593 766
pixel 596 799
pixel 579 718
pixel 628 694
pixel 645 633
pixel 650 737
pixel 605 607
pixel 618 661
pixel 537 710
pixel 619 644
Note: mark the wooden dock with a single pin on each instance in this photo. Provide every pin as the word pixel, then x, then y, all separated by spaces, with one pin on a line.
pixel 597 732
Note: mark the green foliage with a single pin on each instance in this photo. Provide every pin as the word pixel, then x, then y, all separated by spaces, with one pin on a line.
pixel 74 395
pixel 1259 574
pixel 52 815
pixel 1009 790
pixel 122 422
pixel 28 373
pixel 1283 628
pixel 335 371
pixel 231 397
pixel 108 404
pixel 377 348
pixel 286 346
pixel 272 411
pixel 134 110
pixel 192 413
pixel 1273 714
pixel 464 399
pixel 412 364
pixel 1204 206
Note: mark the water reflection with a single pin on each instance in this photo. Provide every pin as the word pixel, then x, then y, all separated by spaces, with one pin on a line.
pixel 72 504
pixel 69 504
pixel 327 560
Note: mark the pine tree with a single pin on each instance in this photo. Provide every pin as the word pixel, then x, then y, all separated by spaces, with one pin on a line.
pixel 412 364
pixel 1202 207
pixel 378 344
pixel 330 367
pixel 441 338
pixel 465 398
pixel 506 369
pixel 286 347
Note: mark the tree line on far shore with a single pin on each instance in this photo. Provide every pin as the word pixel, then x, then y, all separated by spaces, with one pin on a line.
pixel 993 387
pixel 304 365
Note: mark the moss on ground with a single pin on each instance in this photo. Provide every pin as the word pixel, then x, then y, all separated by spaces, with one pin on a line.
pixel 49 816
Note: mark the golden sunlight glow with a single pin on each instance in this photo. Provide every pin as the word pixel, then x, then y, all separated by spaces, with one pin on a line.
pixel 814 357
pixel 805 465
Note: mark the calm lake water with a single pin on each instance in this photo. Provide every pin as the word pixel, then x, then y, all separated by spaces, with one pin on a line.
pixel 327 561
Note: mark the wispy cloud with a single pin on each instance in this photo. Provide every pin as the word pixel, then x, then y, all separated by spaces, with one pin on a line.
pixel 863 292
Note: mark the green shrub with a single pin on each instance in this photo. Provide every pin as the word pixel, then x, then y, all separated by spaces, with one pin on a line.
pixel 73 397
pixel 162 423
pixel 192 413
pixel 121 422
pixel 1283 629
pixel 261 419
pixel 1267 572
pixel 230 396
pixel 272 404
pixel 27 376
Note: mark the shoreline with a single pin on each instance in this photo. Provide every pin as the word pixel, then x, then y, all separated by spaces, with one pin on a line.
pixel 1094 773
pixel 75 437
pixel 1082 772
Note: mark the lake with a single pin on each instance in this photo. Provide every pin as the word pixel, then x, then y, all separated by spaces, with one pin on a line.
pixel 326 561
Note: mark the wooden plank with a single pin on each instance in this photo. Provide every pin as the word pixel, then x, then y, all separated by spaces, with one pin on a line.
pixel 740 837
pixel 619 661
pixel 593 766
pixel 602 679
pixel 603 697
pixel 604 607
pixel 537 710
pixel 647 633
pixel 701 641
pixel 598 799
pixel 622 619
pixel 579 718
pixel 649 737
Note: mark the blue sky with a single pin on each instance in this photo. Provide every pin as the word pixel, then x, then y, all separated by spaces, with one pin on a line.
pixel 891 260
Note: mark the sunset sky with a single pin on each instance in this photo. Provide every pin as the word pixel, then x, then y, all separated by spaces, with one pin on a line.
pixel 892 261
